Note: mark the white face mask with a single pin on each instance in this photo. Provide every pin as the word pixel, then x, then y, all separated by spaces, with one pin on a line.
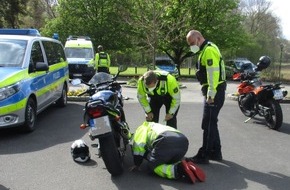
pixel 194 48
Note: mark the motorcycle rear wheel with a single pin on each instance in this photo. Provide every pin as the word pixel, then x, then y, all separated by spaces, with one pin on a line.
pixel 274 117
pixel 110 155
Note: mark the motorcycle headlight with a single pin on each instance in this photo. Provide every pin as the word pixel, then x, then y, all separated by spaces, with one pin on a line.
pixel 8 91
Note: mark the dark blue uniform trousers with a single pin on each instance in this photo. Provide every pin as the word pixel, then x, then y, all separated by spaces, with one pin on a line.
pixel 211 137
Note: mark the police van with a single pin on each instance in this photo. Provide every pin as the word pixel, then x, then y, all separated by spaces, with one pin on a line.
pixel 33 75
pixel 80 53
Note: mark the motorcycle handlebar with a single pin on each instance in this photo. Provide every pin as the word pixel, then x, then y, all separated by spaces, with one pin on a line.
pixel 83 93
pixel 249 75
pixel 98 87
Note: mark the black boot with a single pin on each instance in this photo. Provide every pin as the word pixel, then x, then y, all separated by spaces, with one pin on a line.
pixel 215 155
pixel 200 158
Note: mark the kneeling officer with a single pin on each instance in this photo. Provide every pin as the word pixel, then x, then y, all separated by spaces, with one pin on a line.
pixel 164 148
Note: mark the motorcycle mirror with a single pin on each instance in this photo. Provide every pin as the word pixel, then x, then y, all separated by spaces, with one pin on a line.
pixel 122 68
pixel 75 82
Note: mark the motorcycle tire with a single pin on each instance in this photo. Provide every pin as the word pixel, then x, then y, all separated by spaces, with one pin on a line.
pixel 110 155
pixel 274 118
pixel 245 111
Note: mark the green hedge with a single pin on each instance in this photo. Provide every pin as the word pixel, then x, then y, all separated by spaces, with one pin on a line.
pixel 138 71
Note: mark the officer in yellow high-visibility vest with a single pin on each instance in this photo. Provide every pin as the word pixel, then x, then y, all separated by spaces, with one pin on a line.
pixel 164 148
pixel 211 75
pixel 157 88
pixel 102 60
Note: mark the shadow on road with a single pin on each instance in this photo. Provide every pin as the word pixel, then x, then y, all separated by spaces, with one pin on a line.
pixel 3 188
pixel 52 128
pixel 285 128
pixel 224 175
pixel 228 175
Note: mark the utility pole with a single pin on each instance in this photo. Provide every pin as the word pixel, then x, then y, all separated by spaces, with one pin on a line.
pixel 281 53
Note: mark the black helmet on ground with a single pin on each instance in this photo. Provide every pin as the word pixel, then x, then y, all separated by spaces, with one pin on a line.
pixel 80 151
pixel 263 63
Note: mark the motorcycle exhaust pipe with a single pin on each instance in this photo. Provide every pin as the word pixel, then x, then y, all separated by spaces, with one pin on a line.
pixel 126 134
pixel 124 130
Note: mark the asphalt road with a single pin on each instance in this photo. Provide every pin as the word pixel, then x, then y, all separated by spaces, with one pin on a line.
pixel 255 157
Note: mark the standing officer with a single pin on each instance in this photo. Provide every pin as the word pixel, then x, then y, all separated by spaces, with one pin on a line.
pixel 102 60
pixel 157 88
pixel 164 148
pixel 211 75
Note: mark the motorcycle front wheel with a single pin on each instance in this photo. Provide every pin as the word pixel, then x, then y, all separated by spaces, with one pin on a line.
pixel 274 116
pixel 245 111
pixel 110 155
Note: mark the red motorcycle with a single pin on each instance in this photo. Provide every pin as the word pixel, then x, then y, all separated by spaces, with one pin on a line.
pixel 254 98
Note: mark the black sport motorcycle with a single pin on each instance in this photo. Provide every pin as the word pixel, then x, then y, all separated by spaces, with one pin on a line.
pixel 254 98
pixel 105 117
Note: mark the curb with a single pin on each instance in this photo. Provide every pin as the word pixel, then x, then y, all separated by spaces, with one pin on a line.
pixel 78 98
pixel 86 98
pixel 229 96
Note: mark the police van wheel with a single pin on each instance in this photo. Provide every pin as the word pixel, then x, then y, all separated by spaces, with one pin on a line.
pixel 30 116
pixel 62 101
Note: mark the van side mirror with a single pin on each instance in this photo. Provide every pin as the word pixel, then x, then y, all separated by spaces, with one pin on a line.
pixel 41 66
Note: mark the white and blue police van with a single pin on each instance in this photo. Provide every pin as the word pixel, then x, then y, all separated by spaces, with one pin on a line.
pixel 33 75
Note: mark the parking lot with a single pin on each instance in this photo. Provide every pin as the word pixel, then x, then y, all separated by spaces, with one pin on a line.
pixel 255 157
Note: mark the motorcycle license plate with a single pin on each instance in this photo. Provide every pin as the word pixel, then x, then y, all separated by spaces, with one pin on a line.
pixel 278 95
pixel 100 126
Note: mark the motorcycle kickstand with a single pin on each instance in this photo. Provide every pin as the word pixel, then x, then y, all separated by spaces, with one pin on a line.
pixel 250 118
pixel 247 119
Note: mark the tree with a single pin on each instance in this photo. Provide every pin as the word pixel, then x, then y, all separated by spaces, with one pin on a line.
pixel 38 11
pixel 162 25
pixel 263 29
pixel 10 11
pixel 219 21
pixel 98 19
pixel 144 16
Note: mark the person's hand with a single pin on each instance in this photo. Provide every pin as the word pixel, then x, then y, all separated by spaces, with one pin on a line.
pixel 168 116
pixel 209 100
pixel 149 116
pixel 134 168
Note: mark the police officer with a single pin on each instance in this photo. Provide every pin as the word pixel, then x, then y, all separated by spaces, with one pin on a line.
pixel 164 148
pixel 102 60
pixel 211 75
pixel 157 88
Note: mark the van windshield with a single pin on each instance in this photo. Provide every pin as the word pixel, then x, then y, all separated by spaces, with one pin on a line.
pixel 12 52
pixel 85 53
pixel 164 62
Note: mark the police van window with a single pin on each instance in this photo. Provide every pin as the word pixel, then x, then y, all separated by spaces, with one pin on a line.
pixel 36 54
pixel 54 52
pixel 86 53
pixel 12 52
pixel 59 52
